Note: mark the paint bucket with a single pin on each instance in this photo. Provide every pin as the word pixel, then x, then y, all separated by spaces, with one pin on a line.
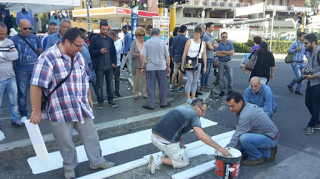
pixel 228 167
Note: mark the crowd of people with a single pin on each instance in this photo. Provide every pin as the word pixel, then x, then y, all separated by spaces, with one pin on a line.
pixel 69 63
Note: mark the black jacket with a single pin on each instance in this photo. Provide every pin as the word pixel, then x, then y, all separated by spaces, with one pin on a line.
pixel 95 50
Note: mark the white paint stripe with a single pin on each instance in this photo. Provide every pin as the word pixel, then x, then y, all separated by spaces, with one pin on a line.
pixel 116 170
pixel 108 146
pixel 193 149
pixel 192 172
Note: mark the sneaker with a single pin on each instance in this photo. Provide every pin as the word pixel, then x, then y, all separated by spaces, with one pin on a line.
pixel 310 131
pixel 104 165
pixel 273 154
pixel 290 88
pixel 317 126
pixel 209 87
pixel 115 95
pixel 69 174
pixel 298 92
pixel 221 93
pixel 172 88
pixel 23 119
pixel 203 89
pixel 250 162
pixel 118 94
pixel 17 124
pixel 189 101
pixel 153 164
pixel 167 105
pixel 180 90
pixel 113 104
pixel 100 106
pixel 2 137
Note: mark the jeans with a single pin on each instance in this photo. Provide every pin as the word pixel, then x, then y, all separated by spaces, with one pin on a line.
pixel 256 145
pixel 228 67
pixel 313 103
pixel 108 75
pixel 23 84
pixel 205 77
pixel 270 113
pixel 10 86
pixel 297 68
pixel 93 79
pixel 116 74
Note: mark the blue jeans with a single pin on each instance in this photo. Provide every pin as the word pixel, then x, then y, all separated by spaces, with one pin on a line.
pixel 93 79
pixel 205 77
pixel 23 84
pixel 108 75
pixel 10 86
pixel 297 68
pixel 256 145
pixel 313 103
pixel 225 67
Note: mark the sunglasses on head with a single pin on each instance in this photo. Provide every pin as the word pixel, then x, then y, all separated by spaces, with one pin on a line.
pixel 27 28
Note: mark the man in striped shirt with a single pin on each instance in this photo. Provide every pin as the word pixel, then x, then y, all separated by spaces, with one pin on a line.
pixel 70 106
pixel 8 54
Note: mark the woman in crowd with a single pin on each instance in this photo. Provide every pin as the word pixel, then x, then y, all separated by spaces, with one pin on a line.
pixel 136 50
pixel 265 65
pixel 191 50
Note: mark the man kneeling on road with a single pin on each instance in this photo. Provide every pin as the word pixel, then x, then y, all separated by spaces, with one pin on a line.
pixel 260 95
pixel 256 135
pixel 167 135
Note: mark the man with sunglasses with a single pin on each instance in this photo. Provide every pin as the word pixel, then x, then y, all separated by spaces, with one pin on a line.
pixel 29 48
pixel 224 52
pixel 167 135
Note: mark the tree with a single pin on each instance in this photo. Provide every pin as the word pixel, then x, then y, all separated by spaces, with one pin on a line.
pixel 312 3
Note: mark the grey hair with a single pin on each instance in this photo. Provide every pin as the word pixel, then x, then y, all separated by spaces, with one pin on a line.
pixel 112 33
pixel 65 20
pixel 200 24
pixel 155 31
pixel 3 25
pixel 198 102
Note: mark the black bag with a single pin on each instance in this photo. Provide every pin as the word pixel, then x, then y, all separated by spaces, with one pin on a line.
pixel 28 43
pixel 45 99
pixel 192 63
pixel 252 61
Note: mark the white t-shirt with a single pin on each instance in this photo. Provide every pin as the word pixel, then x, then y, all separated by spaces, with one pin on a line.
pixel 194 49
pixel 118 46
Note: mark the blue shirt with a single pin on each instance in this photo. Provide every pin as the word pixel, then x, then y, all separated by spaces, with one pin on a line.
pixel 225 47
pixel 298 57
pixel 85 53
pixel 127 42
pixel 53 39
pixel 177 47
pixel 264 99
pixel 27 57
pixel 45 41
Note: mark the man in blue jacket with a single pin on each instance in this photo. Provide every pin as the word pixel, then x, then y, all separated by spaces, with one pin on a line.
pixel 260 95
pixel 103 55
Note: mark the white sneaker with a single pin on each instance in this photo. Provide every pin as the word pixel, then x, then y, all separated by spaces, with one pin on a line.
pixel 153 164
pixel 23 119
pixel 2 137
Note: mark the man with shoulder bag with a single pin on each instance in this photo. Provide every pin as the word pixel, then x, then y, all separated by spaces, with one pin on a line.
pixel 299 50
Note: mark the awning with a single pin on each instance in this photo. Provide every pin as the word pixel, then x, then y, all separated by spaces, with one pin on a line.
pixel 38 6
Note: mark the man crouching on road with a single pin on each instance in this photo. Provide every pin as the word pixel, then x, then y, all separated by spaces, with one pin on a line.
pixel 167 135
pixel 256 135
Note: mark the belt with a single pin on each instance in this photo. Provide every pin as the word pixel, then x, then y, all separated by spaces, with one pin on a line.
pixel 225 60
pixel 298 61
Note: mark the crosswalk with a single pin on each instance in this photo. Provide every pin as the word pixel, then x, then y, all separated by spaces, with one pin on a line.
pixel 127 142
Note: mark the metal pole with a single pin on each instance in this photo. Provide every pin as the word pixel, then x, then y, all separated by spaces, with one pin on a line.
pixel 273 15
pixel 161 8
pixel 88 15
pixel 172 18
pixel 303 21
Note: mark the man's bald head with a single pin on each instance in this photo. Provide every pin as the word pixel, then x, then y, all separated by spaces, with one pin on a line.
pixel 255 84
pixel 25 27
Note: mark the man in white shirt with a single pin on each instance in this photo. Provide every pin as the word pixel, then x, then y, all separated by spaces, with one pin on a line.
pixel 116 71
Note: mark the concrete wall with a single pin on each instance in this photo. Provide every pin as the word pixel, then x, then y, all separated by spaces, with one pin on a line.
pixel 154 6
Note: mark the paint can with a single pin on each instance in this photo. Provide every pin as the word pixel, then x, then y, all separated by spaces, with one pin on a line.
pixel 228 167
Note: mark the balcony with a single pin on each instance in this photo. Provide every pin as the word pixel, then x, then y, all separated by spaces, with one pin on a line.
pixel 224 4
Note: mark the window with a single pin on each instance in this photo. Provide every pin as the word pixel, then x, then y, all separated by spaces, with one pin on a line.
pixel 82 4
pixel 150 3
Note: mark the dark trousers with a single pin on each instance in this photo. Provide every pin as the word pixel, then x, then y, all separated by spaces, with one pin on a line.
pixel 108 75
pixel 161 76
pixel 116 74
pixel 313 103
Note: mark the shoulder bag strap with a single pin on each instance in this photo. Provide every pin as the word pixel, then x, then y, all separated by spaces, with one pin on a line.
pixel 28 43
pixel 62 81
pixel 199 48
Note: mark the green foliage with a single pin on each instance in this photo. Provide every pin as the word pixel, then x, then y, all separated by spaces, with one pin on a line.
pixel 278 47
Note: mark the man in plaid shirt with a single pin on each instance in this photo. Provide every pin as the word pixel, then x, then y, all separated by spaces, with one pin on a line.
pixel 70 106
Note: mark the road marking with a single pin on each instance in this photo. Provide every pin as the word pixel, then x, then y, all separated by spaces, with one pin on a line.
pixel 192 172
pixel 108 146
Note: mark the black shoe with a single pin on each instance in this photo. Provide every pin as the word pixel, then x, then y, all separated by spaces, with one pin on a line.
pixel 290 88
pixel 317 126
pixel 221 93
pixel 199 93
pixel 168 104
pixel 229 92
pixel 147 107
pixel 298 92
pixel 100 106
pixel 112 104
pixel 17 124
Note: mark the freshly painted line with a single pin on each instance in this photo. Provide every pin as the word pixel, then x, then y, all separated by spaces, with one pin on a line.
pixel 112 145
pixel 192 172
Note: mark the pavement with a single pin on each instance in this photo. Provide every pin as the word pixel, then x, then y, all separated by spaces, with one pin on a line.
pixel 298 155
